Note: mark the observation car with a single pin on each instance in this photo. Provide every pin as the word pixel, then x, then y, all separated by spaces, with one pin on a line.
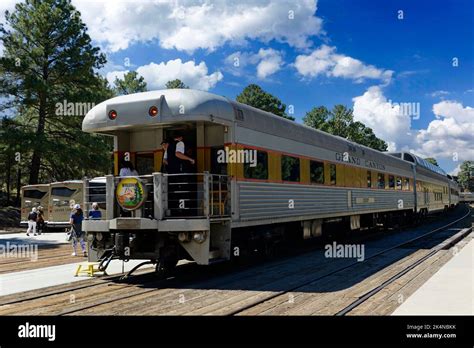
pixel 301 181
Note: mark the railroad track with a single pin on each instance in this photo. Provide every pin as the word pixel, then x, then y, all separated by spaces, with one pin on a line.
pixel 373 291
pixel 264 289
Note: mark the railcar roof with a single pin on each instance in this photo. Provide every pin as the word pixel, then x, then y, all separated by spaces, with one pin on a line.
pixel 421 162
pixel 133 109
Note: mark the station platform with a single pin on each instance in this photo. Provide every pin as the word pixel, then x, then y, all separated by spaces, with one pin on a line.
pixel 11 283
pixel 450 291
pixel 37 278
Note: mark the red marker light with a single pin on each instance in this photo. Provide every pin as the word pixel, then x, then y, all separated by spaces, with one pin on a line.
pixel 112 114
pixel 153 111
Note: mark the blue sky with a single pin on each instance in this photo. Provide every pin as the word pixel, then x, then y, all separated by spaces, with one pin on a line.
pixel 356 53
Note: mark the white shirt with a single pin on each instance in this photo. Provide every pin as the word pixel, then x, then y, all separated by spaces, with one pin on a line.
pixel 128 172
pixel 180 147
pixel 165 156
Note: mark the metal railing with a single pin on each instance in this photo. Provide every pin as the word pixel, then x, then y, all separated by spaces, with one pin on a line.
pixel 187 195
pixel 196 195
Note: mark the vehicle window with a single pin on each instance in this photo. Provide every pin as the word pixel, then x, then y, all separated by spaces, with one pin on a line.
pixel 381 180
pixel 290 168
pixel 145 163
pixel 33 194
pixel 316 172
pixel 399 183
pixel 258 171
pixel 62 191
pixel 332 174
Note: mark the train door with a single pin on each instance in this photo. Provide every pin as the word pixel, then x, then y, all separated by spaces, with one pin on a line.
pixel 184 190
pixel 189 140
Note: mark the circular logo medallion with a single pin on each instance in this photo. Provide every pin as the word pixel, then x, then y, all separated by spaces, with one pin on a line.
pixel 130 193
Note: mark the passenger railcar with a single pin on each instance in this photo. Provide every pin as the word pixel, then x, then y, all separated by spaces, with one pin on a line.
pixel 466 197
pixel 33 196
pixel 302 180
pixel 63 195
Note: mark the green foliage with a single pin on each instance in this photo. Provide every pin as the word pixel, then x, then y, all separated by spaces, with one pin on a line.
pixel 340 121
pixel 466 176
pixel 432 161
pixel 49 61
pixel 318 118
pixel 131 83
pixel 255 96
pixel 175 84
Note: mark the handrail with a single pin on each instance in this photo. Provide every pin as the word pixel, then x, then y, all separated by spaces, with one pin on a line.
pixel 183 195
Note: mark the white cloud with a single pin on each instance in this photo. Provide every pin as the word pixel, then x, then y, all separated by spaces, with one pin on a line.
pixel 237 62
pixel 270 62
pixel 386 119
pixel 439 93
pixel 449 136
pixel 455 171
pixel 156 75
pixel 325 60
pixel 188 25
pixel 112 75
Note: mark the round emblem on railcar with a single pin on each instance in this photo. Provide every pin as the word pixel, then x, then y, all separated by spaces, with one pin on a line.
pixel 130 193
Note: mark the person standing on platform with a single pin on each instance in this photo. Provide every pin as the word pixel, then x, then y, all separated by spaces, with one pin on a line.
pixel 40 224
pixel 164 161
pixel 177 160
pixel 76 229
pixel 127 169
pixel 95 213
pixel 32 217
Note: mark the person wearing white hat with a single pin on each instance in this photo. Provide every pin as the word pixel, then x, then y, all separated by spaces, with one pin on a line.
pixel 76 229
pixel 32 217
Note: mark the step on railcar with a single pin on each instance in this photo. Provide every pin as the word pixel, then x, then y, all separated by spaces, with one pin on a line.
pixel 302 181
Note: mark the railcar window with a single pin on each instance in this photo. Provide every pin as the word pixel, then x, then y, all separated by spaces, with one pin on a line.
pixel 391 181
pixel 369 179
pixel 399 183
pixel 260 170
pixel 62 191
pixel 290 168
pixel 97 192
pixel 33 194
pixel 332 174
pixel 381 180
pixel 317 172
pixel 407 184
pixel 145 163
